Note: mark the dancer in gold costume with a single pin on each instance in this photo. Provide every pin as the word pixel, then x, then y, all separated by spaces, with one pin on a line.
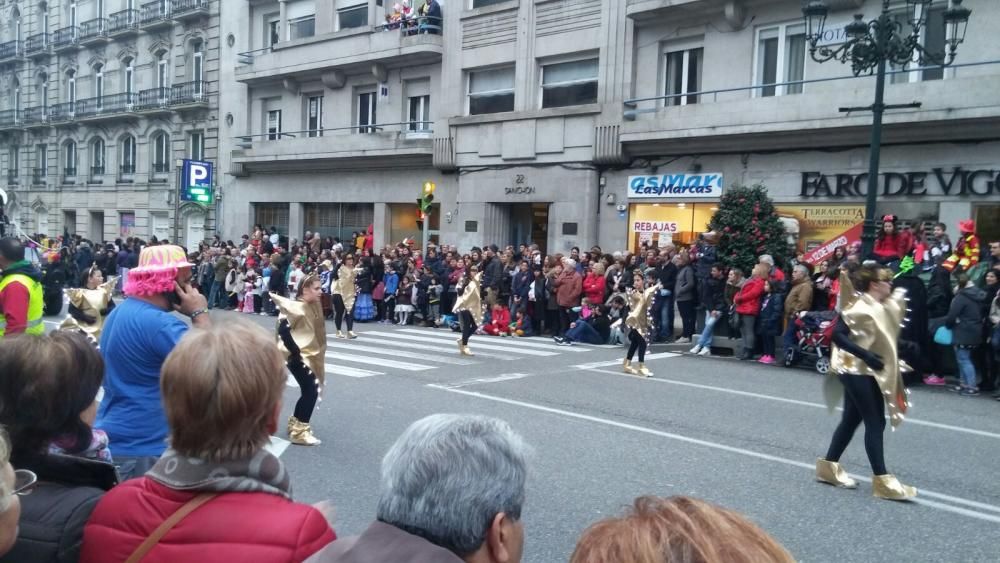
pixel 866 361
pixel 639 322
pixel 90 305
pixel 302 338
pixel 344 292
pixel 469 307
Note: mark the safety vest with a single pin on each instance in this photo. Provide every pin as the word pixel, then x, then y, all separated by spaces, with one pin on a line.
pixel 36 303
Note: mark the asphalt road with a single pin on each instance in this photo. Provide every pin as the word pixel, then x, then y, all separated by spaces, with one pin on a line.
pixel 739 434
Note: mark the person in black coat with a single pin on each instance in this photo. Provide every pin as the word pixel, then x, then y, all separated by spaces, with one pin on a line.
pixel 914 339
pixel 965 318
pixel 663 308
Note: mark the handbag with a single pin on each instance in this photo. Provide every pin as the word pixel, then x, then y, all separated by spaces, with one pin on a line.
pixel 944 336
pixel 150 542
pixel 734 318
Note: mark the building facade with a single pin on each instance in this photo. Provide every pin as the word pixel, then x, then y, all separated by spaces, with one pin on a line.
pixel 102 99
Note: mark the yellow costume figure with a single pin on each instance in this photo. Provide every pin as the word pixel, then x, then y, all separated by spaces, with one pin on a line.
pixel 640 325
pixel 92 303
pixel 469 308
pixel 302 339
pixel 344 291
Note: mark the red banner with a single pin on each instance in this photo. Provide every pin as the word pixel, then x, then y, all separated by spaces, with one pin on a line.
pixel 820 253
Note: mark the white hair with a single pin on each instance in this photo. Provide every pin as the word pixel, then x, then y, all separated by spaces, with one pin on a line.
pixel 803 269
pixel 448 476
pixel 569 263
pixel 766 259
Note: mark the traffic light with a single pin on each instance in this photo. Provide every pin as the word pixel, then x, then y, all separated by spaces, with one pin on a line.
pixel 427 200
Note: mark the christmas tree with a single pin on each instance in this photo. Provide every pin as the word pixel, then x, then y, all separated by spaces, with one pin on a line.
pixel 748 226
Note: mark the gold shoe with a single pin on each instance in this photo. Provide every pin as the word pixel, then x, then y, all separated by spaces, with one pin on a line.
pixel 461 349
pixel 340 334
pixel 351 335
pixel 466 351
pixel 302 435
pixel 833 473
pixel 644 371
pixel 627 368
pixel 292 423
pixel 888 487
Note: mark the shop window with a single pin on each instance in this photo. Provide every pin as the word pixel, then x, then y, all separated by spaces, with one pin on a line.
pixel 569 84
pixel 781 57
pixel 271 215
pixel 683 75
pixel 660 224
pixel 491 91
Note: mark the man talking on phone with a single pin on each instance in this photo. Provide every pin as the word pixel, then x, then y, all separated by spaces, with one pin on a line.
pixel 138 335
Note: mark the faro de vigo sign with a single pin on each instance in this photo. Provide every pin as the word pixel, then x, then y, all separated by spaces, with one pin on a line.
pixel 681 185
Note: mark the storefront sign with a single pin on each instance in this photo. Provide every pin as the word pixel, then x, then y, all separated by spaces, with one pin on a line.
pixel 834 33
pixel 939 181
pixel 655 227
pixel 676 186
pixel 520 186
pixel 810 226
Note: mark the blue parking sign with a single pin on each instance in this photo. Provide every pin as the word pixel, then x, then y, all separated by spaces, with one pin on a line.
pixel 196 182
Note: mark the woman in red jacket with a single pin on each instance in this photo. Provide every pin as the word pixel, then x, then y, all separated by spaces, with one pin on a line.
pixel 594 284
pixel 747 303
pixel 218 495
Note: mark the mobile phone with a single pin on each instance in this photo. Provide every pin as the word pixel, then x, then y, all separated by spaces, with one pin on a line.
pixel 173 298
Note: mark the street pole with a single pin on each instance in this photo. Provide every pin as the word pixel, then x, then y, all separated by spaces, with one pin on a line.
pixel 426 233
pixel 868 233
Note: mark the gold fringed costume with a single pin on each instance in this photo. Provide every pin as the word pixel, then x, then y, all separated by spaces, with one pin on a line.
pixel 470 300
pixel 344 286
pixel 639 303
pixel 875 327
pixel 90 302
pixel 308 329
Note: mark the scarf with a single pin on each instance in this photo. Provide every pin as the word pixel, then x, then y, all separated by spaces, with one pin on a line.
pixel 262 473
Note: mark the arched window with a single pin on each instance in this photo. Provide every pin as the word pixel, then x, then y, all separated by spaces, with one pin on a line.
pixel 126 155
pixel 161 153
pixel 43 16
pixel 198 67
pixel 16 17
pixel 69 159
pixel 128 76
pixel 15 95
pixel 162 77
pixel 98 80
pixel 43 90
pixel 70 86
pixel 97 158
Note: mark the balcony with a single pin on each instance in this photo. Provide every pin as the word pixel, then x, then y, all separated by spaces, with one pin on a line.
pixel 69 173
pixel 340 148
pixel 123 24
pixel 329 57
pixel 153 100
pixel 160 168
pixel 12 177
pixel 94 32
pixel 65 39
pixel 96 173
pixel 189 95
pixel 38 45
pixel 187 10
pixel 38 176
pixel 11 51
pixel 126 170
pixel 105 108
pixel 11 119
pixel 62 112
pixel 35 117
pixel 155 15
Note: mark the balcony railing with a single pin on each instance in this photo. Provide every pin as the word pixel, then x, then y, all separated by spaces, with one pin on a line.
pixel 189 7
pixel 65 37
pixel 161 167
pixel 153 98
pixel 38 175
pixel 96 171
pixel 119 103
pixel 155 13
pixel 10 118
pixel 62 112
pixel 189 92
pixel 11 50
pixel 36 44
pixel 12 177
pixel 87 107
pixel 414 26
pixel 125 21
pixel 34 115
pixel 94 30
pixel 69 171
pixel 127 169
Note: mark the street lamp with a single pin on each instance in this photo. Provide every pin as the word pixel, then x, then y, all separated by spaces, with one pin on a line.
pixel 869 46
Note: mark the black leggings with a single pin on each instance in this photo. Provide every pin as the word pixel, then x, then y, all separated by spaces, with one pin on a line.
pixel 309 386
pixel 637 342
pixel 862 402
pixel 468 326
pixel 340 312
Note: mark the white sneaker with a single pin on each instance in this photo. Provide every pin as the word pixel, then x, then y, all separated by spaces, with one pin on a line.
pixel 695 350
pixel 706 351
pixel 683 340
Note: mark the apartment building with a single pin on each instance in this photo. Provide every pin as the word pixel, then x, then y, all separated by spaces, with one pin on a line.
pixel 545 120
pixel 101 99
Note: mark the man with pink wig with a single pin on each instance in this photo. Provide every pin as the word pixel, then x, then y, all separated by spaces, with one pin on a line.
pixel 138 335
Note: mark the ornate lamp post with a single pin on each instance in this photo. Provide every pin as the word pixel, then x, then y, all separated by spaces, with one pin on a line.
pixel 869 46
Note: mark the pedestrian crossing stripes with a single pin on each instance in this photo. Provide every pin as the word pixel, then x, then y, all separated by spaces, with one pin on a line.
pixel 595 365
pixel 516 342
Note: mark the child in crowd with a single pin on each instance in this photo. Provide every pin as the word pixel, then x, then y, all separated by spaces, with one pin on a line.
pixel 521 325
pixel 404 301
pixel 250 287
pixel 434 300
pixel 391 281
pixel 499 324
pixel 769 322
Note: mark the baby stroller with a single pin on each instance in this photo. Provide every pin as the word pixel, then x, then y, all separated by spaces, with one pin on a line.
pixel 813 337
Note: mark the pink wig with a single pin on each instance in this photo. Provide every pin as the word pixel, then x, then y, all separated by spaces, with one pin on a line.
pixel 145 284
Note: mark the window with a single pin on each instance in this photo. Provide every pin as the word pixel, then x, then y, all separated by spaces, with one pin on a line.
pixel 367 112
pixel 16 101
pixel 314 116
pixel 127 156
pixel 98 84
pixel 69 158
pixel 420 113
pixel 352 16
pixel 45 96
pixel 13 161
pixel 197 67
pixel 17 24
pixel 42 159
pixel 273 124
pixel 683 75
pixel 781 57
pixel 161 72
pixel 128 81
pixel 302 27
pixel 97 157
pixel 569 84
pixel 272 36
pixel 100 8
pixel 161 153
pixel 932 39
pixel 196 145
pixel 72 14
pixel 45 20
pixel 71 87
pixel 482 3
pixel 491 91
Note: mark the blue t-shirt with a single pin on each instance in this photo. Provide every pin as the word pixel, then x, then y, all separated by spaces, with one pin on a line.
pixel 136 339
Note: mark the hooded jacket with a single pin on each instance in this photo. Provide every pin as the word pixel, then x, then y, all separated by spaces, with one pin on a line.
pixel 965 316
